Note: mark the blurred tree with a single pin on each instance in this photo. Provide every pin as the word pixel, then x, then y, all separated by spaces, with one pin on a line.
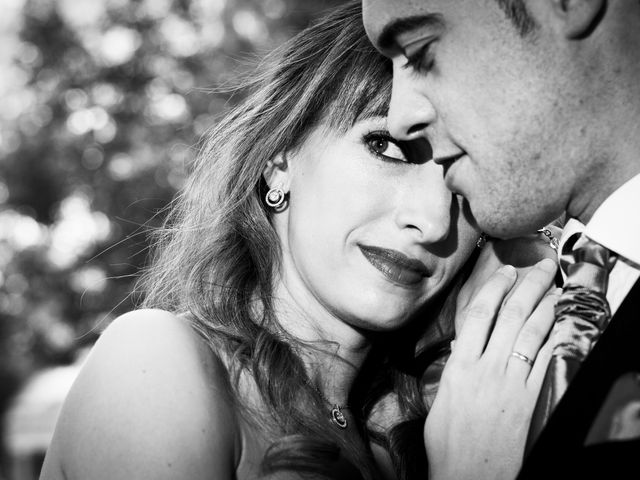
pixel 103 102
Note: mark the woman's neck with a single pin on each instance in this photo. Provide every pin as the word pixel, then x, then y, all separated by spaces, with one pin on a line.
pixel 336 349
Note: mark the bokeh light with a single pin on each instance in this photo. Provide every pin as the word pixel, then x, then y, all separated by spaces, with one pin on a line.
pixel 102 107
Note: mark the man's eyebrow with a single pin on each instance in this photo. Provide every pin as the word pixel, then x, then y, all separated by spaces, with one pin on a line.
pixel 391 31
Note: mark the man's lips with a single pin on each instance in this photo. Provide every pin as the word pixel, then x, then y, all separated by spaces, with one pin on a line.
pixel 396 266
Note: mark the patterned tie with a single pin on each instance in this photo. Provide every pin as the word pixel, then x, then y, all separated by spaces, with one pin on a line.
pixel 582 313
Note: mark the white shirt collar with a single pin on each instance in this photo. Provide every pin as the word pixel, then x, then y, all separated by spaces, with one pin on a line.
pixel 573 225
pixel 616 223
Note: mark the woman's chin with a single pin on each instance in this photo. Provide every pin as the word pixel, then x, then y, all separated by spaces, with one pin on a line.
pixel 384 318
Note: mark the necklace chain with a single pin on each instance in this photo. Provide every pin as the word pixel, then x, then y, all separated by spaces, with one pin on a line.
pixel 337 417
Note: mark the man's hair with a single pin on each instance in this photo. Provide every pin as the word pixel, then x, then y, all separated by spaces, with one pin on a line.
pixel 517 12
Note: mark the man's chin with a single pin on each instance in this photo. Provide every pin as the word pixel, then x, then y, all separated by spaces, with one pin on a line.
pixel 506 227
pixel 496 225
pixel 467 212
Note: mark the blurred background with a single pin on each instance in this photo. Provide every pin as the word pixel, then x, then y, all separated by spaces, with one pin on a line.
pixel 102 104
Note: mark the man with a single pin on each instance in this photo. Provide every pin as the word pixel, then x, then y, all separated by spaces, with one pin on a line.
pixel 533 110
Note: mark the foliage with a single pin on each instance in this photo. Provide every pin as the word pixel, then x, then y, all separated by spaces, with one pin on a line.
pixel 103 102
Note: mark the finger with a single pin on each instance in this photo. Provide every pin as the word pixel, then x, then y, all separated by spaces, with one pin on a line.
pixel 532 336
pixel 537 374
pixel 485 266
pixel 518 307
pixel 477 318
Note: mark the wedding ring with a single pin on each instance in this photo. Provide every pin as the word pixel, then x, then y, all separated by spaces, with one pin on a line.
pixel 522 357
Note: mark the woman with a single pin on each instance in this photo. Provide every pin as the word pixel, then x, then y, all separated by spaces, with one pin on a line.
pixel 296 269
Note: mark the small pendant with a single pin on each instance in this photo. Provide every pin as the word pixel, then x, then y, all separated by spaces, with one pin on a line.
pixel 553 241
pixel 338 417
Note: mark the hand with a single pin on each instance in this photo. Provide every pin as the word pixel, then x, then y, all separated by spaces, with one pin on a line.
pixel 521 252
pixel 478 424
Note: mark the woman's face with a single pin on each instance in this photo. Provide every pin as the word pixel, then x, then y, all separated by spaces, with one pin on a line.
pixel 371 233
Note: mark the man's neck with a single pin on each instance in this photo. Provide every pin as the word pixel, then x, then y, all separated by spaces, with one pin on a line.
pixel 599 186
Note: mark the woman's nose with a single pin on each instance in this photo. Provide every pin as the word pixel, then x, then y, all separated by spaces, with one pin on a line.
pixel 424 206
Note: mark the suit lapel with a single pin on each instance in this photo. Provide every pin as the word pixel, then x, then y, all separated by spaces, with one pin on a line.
pixel 617 352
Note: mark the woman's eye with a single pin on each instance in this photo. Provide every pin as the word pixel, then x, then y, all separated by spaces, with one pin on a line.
pixel 384 146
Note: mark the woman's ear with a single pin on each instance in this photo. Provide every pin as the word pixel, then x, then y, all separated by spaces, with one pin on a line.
pixel 578 18
pixel 277 172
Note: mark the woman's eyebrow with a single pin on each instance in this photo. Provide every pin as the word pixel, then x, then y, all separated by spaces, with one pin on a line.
pixel 391 31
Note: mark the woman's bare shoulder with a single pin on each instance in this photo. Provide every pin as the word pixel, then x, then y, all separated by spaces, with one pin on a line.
pixel 151 401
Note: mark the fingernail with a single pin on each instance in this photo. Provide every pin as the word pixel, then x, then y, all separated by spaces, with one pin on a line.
pixel 547 265
pixel 508 271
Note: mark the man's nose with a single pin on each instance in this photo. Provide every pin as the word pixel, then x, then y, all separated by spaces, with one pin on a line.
pixel 410 111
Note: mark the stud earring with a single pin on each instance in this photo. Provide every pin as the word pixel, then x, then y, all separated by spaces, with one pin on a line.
pixel 275 197
pixel 482 241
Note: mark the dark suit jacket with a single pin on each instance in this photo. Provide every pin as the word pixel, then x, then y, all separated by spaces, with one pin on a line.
pixel 577 440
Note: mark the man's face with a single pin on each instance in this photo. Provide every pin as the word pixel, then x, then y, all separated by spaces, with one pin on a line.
pixel 493 104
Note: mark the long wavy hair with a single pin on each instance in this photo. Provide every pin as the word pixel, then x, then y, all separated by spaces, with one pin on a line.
pixel 216 256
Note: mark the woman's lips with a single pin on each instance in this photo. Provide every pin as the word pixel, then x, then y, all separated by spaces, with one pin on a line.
pixel 395 265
